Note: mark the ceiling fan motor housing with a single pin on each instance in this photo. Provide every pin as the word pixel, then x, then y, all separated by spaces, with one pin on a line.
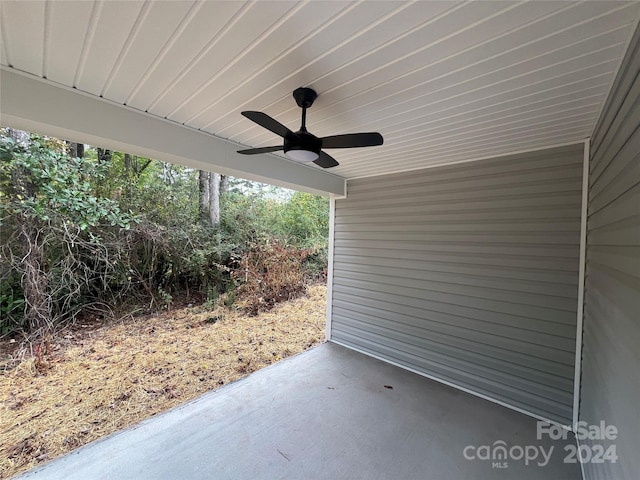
pixel 302 140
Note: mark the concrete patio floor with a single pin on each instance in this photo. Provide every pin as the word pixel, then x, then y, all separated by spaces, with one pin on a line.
pixel 323 414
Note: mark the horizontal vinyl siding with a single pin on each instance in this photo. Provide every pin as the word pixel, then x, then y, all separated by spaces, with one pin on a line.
pixel 467 273
pixel 611 339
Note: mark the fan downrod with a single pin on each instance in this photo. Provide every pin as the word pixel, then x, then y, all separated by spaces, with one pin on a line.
pixel 304 97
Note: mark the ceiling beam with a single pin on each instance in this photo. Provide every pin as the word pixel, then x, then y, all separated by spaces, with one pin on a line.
pixel 40 106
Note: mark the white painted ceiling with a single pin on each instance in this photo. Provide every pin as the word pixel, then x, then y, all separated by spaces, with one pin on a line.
pixel 442 81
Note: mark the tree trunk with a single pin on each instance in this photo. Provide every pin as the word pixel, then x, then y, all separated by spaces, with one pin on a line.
pixel 72 149
pixel 104 155
pixel 224 183
pixel 75 149
pixel 19 136
pixel 214 198
pixel 203 183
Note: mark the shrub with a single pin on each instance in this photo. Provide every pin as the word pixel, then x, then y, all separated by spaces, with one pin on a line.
pixel 54 230
pixel 268 274
pixel 304 220
pixel 11 303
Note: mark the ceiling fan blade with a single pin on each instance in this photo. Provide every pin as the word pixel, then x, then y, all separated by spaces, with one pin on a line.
pixel 254 151
pixel 269 123
pixel 351 140
pixel 325 160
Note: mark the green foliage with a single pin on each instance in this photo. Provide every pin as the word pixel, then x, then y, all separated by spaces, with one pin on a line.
pixel 11 305
pixel 125 232
pixel 163 193
pixel 305 220
pixel 41 184
pixel 230 298
pixel 54 232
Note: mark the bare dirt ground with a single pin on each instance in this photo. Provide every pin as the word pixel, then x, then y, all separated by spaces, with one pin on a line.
pixel 97 379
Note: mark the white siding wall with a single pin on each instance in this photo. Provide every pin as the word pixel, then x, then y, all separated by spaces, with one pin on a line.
pixel 467 273
pixel 611 349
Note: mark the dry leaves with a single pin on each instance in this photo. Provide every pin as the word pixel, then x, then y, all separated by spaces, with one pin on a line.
pixel 100 380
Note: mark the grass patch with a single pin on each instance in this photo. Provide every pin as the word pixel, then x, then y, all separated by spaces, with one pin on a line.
pixel 97 379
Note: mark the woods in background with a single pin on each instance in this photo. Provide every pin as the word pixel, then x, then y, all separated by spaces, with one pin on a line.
pixel 87 230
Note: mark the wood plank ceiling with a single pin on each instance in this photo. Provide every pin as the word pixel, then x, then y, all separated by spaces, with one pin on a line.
pixel 442 81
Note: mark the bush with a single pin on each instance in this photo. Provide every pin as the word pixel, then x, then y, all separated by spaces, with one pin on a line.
pixel 11 304
pixel 54 230
pixel 269 274
pixel 304 220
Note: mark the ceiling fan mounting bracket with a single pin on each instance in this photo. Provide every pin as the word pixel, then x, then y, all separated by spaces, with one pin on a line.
pixel 304 96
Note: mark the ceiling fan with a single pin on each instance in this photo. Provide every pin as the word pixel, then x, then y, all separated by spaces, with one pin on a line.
pixel 303 146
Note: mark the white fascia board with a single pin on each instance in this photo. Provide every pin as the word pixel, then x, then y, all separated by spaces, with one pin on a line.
pixel 577 378
pixel 40 106
pixel 332 229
